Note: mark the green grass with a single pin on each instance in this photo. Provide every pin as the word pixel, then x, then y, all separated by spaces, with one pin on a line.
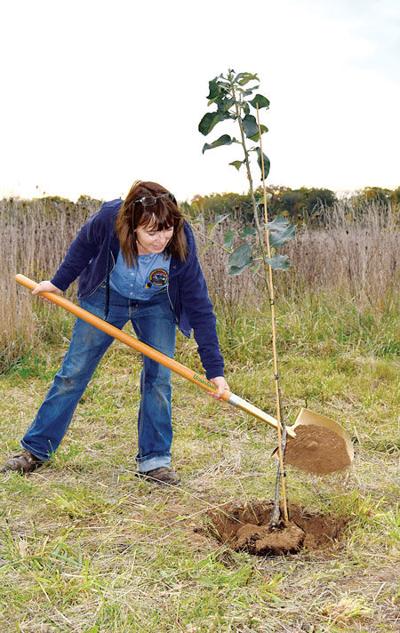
pixel 86 546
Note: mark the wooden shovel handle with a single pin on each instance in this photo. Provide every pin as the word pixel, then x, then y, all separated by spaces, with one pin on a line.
pixel 147 350
pixel 129 340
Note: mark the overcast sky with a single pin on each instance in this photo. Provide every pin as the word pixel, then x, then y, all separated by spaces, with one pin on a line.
pixel 96 94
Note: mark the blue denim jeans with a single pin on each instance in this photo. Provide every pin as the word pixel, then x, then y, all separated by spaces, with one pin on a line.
pixel 154 324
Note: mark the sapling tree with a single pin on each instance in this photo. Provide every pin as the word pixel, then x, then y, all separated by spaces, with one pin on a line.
pixel 235 99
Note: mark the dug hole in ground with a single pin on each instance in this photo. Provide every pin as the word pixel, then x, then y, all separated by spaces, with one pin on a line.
pixel 246 526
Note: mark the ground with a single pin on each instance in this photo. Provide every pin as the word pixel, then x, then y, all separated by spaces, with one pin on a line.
pixel 86 546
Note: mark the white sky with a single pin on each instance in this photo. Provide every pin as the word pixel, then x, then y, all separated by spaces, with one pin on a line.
pixel 96 94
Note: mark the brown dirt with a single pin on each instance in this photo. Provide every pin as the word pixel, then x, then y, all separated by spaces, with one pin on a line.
pixel 262 540
pixel 246 527
pixel 317 450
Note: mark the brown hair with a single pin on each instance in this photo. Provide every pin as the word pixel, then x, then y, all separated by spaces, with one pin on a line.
pixel 163 214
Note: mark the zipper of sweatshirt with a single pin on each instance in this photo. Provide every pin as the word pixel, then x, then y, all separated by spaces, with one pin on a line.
pixel 105 278
pixel 172 307
pixel 113 258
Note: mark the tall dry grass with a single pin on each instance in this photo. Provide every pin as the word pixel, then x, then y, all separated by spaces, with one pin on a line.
pixel 354 257
pixel 353 254
pixel 34 237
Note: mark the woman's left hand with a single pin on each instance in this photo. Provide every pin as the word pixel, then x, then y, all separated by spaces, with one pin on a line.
pixel 221 384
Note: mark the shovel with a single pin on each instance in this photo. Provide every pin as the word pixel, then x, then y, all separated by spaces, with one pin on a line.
pixel 305 449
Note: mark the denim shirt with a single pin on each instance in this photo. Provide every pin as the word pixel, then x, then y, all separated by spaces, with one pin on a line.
pixel 92 257
pixel 146 278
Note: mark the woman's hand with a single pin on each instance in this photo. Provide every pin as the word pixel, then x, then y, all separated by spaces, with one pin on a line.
pixel 46 286
pixel 221 384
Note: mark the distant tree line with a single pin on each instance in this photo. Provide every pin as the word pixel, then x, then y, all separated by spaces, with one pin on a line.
pixel 300 205
pixel 304 205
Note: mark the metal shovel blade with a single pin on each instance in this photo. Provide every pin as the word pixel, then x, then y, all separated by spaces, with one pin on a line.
pixel 321 445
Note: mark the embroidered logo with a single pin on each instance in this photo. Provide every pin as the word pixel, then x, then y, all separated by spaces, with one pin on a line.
pixel 157 277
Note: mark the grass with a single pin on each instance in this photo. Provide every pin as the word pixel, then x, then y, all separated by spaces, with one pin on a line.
pixel 352 256
pixel 86 546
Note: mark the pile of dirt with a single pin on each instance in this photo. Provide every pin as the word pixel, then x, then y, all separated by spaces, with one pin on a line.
pixel 317 450
pixel 245 527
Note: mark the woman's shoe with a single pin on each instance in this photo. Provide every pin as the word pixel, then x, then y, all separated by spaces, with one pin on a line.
pixel 163 475
pixel 22 463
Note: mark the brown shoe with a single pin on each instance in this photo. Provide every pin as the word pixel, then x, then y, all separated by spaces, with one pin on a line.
pixel 163 475
pixel 22 463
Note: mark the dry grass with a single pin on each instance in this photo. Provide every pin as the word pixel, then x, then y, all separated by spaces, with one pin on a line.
pixel 35 235
pixel 85 546
pixel 354 254
pixel 355 257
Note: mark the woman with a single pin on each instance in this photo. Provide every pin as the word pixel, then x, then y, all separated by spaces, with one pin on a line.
pixel 136 260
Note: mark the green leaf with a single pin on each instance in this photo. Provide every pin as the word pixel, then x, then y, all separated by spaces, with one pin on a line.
pixel 229 237
pixel 225 139
pixel 240 259
pixel 220 96
pixel 210 120
pixel 237 163
pixel 250 125
pixel 266 161
pixel 221 217
pixel 249 91
pixel 257 136
pixel 279 262
pixel 235 270
pixel 245 92
pixel 260 101
pixel 248 231
pixel 224 104
pixel 280 231
pixel 243 78
pixel 214 89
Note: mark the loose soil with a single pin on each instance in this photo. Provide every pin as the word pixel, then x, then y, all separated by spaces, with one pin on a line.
pixel 317 450
pixel 245 527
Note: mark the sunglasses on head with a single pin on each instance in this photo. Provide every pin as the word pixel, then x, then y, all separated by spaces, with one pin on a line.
pixel 150 201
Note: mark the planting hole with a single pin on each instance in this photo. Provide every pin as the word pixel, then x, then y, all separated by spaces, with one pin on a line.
pixel 245 527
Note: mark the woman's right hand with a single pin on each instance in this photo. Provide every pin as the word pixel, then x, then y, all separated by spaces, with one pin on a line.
pixel 46 286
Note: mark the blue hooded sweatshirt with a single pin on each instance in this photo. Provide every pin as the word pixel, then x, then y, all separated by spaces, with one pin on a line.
pixel 92 256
